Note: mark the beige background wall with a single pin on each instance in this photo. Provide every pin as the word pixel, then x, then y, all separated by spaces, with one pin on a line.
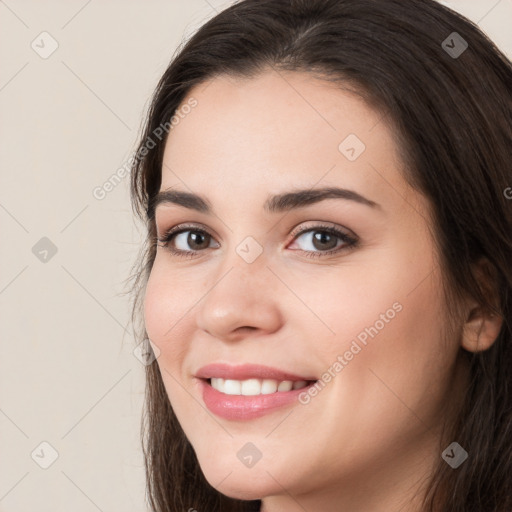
pixel 67 123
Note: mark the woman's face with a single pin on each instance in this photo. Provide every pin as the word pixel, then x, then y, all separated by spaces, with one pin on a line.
pixel 359 309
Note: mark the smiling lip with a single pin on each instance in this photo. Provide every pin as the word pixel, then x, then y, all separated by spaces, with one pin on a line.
pixel 247 371
pixel 241 407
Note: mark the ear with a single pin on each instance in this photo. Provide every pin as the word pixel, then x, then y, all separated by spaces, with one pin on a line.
pixel 483 325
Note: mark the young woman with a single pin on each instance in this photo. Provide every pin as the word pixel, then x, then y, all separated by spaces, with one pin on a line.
pixel 327 275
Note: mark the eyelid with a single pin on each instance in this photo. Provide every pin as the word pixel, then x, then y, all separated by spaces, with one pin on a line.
pixel 299 229
pixel 319 224
pixel 182 227
pixel 347 235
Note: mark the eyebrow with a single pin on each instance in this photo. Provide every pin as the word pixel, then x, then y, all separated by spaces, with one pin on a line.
pixel 274 204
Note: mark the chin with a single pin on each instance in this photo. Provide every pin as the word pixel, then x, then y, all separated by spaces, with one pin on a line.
pixel 242 483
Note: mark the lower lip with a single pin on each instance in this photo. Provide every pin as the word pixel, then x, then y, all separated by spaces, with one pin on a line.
pixel 241 407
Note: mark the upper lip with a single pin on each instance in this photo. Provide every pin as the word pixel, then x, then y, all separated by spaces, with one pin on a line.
pixel 247 371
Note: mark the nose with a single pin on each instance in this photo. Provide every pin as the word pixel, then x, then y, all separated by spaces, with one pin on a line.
pixel 242 298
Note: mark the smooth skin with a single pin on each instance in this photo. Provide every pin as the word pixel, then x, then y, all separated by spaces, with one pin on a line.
pixel 370 439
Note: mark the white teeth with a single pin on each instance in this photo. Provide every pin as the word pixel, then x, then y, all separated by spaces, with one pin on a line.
pixel 268 386
pixel 232 387
pixel 251 387
pixel 217 383
pixel 286 385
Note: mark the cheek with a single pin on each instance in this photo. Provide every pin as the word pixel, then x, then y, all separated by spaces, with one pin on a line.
pixel 350 304
pixel 154 309
pixel 163 309
pixel 395 353
pixel 388 321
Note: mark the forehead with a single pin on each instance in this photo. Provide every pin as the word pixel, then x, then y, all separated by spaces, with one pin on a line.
pixel 279 129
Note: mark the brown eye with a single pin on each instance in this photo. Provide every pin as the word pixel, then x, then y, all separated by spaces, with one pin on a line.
pixel 196 240
pixel 324 241
pixel 321 241
pixel 190 241
pixel 185 242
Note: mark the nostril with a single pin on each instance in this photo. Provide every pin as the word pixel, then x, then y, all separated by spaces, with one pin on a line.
pixel 249 327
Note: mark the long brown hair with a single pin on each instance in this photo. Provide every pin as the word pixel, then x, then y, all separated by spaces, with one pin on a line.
pixel 451 109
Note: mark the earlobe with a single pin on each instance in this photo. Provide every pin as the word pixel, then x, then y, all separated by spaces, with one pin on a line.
pixel 481 329
pixel 483 325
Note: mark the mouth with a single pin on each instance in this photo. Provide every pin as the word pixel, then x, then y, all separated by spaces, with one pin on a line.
pixel 249 391
pixel 243 372
pixel 254 387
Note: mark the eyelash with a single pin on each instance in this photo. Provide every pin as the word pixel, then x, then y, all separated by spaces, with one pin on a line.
pixel 350 242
